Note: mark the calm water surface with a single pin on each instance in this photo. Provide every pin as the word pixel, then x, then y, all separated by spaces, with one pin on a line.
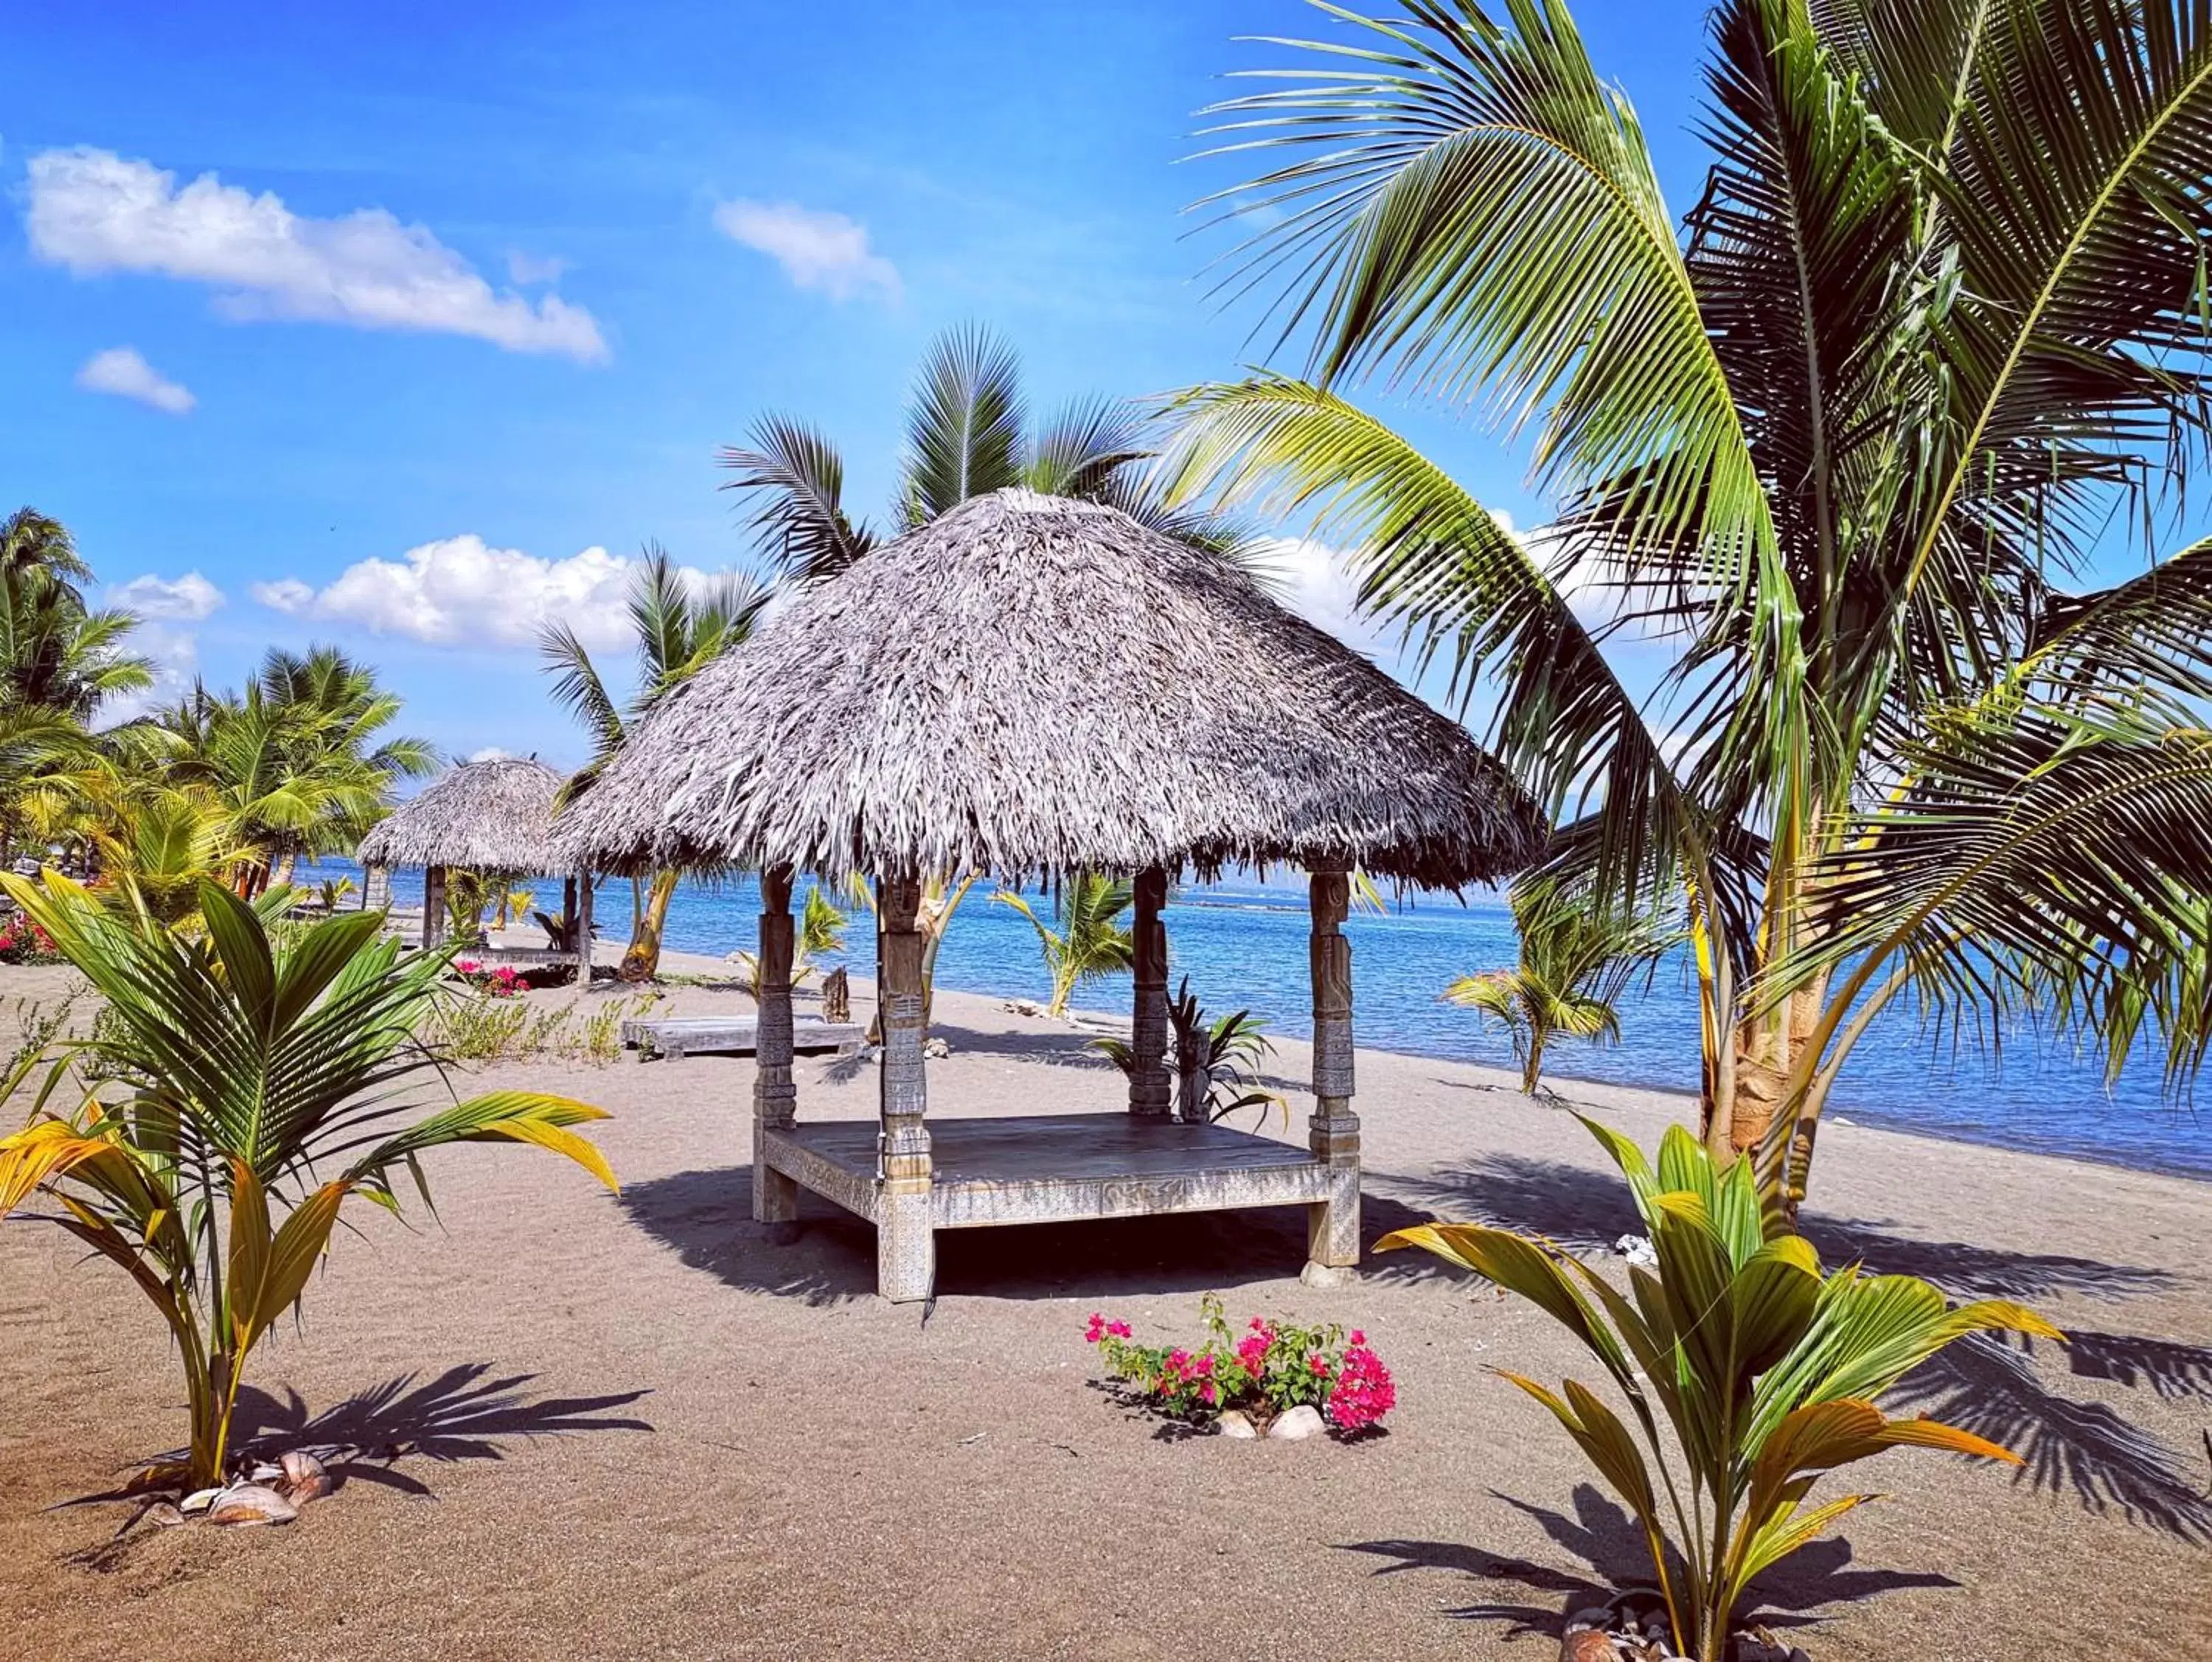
pixel 1242 943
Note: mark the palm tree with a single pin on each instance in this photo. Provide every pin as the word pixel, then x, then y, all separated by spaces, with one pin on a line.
pixel 56 653
pixel 238 1090
pixel 290 759
pixel 680 629
pixel 1574 963
pixel 1932 335
pixel 1090 940
pixel 967 434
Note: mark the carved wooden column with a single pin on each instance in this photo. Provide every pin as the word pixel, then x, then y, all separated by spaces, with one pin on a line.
pixel 1149 1085
pixel 376 889
pixel 776 1098
pixel 584 931
pixel 434 906
pixel 906 1247
pixel 1332 1226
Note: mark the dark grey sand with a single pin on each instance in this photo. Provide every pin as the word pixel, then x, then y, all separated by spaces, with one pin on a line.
pixel 593 1426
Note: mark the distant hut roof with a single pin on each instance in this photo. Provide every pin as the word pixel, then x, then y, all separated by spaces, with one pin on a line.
pixel 492 815
pixel 1028 686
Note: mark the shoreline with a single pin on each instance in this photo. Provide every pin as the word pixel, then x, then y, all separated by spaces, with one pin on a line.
pixel 1684 1104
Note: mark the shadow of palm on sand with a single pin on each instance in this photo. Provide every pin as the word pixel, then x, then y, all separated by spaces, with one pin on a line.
pixel 463 1414
pixel 1607 1555
pixel 706 1216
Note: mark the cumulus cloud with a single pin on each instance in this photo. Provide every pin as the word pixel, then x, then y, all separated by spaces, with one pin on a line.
pixel 461 591
pixel 816 249
pixel 167 608
pixel 121 371
pixel 1314 580
pixel 94 211
pixel 491 753
pixel 285 594
pixel 187 599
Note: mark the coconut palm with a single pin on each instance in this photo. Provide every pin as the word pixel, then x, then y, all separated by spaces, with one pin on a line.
pixel 289 759
pixel 680 629
pixel 1576 961
pixel 1932 337
pixel 967 433
pixel 56 653
pixel 1087 938
pixel 237 1091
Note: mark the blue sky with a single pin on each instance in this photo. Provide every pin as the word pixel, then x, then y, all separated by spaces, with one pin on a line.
pixel 287 293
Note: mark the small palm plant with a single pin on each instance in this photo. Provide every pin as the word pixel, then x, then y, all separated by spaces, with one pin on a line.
pixel 1090 940
pixel 1216 1060
pixel 234 1095
pixel 1749 1374
pixel 1576 962
pixel 821 931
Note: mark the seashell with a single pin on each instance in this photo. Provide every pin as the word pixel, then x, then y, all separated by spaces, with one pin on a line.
pixel 198 1500
pixel 162 1515
pixel 249 1504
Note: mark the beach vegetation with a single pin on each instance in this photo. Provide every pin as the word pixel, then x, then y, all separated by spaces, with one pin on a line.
pixel 1749 1373
pixel 1576 962
pixel 1842 446
pixel 1261 1372
pixel 241 1086
pixel 1088 937
pixel 680 628
pixel 1215 1059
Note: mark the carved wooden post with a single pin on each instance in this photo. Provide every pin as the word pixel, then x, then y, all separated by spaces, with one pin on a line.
pixel 584 930
pixel 434 906
pixel 906 1248
pixel 1148 1025
pixel 376 889
pixel 1332 1226
pixel 776 1098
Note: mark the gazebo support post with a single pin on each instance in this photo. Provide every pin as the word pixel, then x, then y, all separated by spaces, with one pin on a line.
pixel 434 906
pixel 1332 1226
pixel 906 1246
pixel 582 914
pixel 776 1098
pixel 1149 1085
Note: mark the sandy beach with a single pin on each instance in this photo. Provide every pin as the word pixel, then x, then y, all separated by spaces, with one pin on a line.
pixel 577 1425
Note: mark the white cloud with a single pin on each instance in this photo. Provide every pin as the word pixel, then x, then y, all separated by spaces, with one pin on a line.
pixel 94 211
pixel 166 606
pixel 121 371
pixel 530 269
pixel 461 591
pixel 186 599
pixel 285 594
pixel 490 753
pixel 817 250
pixel 1314 581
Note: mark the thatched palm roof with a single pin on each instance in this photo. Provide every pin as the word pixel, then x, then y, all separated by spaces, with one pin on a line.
pixel 496 815
pixel 1031 686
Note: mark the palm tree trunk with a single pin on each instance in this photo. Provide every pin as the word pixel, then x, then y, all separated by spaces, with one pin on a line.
pixel 1532 1064
pixel 641 962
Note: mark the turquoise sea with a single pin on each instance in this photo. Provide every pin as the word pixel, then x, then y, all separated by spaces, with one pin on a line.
pixel 1242 943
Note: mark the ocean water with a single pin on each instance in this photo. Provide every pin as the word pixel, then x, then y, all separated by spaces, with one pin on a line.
pixel 1242 943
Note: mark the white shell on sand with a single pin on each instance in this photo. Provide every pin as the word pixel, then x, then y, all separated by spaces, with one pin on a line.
pixel 303 1478
pixel 248 1504
pixel 1304 1420
pixel 1233 1424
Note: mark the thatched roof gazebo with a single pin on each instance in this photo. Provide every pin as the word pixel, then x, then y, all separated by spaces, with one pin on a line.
pixel 493 816
pixel 1032 688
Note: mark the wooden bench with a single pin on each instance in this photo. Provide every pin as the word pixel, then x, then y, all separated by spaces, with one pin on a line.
pixel 675 1037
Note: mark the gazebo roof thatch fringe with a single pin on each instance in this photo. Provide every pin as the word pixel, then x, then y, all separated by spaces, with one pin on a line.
pixel 1031 686
pixel 495 815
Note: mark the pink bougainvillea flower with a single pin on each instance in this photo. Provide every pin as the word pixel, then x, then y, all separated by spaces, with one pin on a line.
pixel 1358 1337
pixel 1096 1331
pixel 1118 1330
